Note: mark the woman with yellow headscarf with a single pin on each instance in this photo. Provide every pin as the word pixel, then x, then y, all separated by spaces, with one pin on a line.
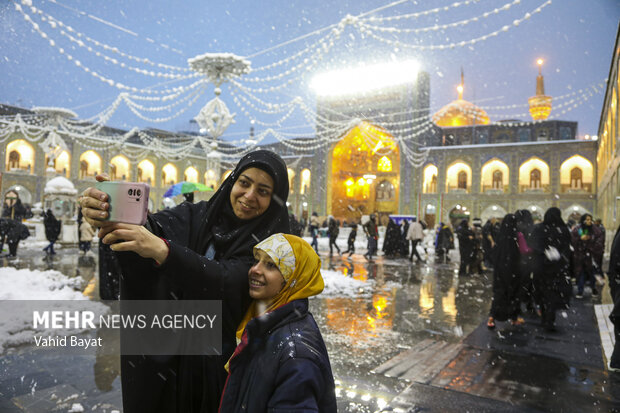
pixel 281 361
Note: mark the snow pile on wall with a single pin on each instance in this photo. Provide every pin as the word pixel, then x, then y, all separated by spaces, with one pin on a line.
pixel 60 185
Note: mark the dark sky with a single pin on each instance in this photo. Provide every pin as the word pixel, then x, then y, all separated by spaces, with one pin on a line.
pixel 574 37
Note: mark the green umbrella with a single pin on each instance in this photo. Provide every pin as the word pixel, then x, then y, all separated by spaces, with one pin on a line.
pixel 185 187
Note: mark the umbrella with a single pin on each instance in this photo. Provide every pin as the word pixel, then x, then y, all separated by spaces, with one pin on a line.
pixel 184 188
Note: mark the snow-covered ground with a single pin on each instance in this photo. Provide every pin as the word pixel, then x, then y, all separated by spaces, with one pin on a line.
pixel 28 286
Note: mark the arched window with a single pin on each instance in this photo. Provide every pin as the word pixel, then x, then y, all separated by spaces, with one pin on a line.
pixel 13 160
pixel 535 181
pixel 19 156
pixel 119 168
pixel 83 169
pixel 498 179
pixel 90 164
pixel 305 181
pixel 458 177
pixel 462 180
pixel 168 175
pixel 191 175
pixel 385 191
pixel 210 179
pixel 291 180
pixel 429 184
pixel 384 165
pixel 146 172
pixel 576 174
pixel 576 178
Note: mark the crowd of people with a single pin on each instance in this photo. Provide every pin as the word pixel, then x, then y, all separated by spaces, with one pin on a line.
pixel 536 265
pixel 244 248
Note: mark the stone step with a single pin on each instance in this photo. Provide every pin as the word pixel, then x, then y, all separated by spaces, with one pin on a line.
pixel 420 363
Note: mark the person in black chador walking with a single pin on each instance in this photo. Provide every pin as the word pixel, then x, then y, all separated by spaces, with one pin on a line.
pixel 489 238
pixel 551 242
pixel 525 227
pixel 52 230
pixel 466 247
pixel 506 276
pixel 13 213
pixel 588 243
pixel 372 234
pixel 333 229
pixel 391 243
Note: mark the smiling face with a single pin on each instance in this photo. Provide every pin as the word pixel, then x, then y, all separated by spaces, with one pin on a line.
pixel 251 194
pixel 266 280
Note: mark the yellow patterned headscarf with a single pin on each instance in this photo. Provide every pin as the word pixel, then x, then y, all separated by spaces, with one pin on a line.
pixel 300 266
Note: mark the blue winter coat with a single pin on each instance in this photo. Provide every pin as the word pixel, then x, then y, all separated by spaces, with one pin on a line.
pixel 281 366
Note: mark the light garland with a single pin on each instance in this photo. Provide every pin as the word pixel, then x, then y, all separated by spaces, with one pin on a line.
pixel 437 27
pixel 396 43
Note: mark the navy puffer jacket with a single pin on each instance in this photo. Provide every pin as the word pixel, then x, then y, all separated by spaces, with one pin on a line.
pixel 281 366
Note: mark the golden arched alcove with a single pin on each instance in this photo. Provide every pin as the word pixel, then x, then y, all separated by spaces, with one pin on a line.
pixel 365 172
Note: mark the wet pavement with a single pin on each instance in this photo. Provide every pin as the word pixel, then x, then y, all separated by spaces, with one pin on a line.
pixel 415 340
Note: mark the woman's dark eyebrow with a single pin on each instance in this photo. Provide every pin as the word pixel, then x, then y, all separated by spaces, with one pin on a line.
pixel 252 181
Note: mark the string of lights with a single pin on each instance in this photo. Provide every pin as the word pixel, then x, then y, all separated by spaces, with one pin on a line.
pixel 66 31
pixel 438 27
pixel 397 43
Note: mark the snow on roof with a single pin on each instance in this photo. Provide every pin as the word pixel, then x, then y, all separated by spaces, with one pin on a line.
pixel 60 185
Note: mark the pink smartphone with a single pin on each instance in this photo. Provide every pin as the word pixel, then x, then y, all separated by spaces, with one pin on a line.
pixel 128 201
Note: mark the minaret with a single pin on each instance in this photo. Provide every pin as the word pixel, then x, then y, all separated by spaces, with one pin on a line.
pixel 540 105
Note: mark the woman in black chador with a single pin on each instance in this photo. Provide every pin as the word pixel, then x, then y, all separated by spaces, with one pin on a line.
pixel 551 242
pixel 525 226
pixel 466 247
pixel 391 243
pixel 13 213
pixel 506 275
pixel 204 252
pixel 52 230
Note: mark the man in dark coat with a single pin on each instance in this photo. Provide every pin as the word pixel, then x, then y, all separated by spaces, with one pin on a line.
pixel 588 243
pixel 209 254
pixel 333 229
pixel 52 230
pixel 614 286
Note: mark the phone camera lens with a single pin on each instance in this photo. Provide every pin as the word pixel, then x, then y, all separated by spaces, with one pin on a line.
pixel 129 192
pixel 139 192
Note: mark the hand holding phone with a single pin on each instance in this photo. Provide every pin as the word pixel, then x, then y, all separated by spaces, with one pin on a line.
pixel 128 201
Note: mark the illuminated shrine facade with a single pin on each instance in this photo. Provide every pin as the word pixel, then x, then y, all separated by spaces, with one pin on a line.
pixel 365 174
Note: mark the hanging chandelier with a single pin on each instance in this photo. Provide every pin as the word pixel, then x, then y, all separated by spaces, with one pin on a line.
pixel 215 117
